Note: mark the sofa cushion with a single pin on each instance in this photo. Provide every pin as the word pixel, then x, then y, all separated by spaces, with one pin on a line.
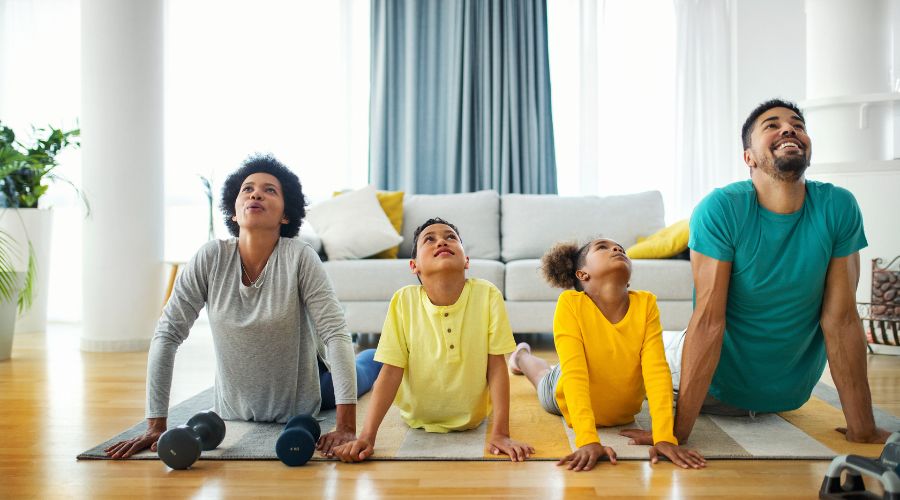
pixel 667 279
pixel 373 280
pixel 392 204
pixel 308 234
pixel 531 224
pixel 476 215
pixel 353 225
pixel 663 244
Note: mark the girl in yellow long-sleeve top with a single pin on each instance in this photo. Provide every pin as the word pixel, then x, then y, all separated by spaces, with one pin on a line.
pixel 609 342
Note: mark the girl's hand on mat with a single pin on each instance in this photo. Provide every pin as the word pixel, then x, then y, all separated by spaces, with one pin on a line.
pixel 335 438
pixel 878 435
pixel 682 457
pixel 586 457
pixel 354 451
pixel 638 436
pixel 503 445
pixel 124 449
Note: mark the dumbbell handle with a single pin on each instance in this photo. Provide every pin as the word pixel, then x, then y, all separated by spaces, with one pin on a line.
pixel 205 435
pixel 861 465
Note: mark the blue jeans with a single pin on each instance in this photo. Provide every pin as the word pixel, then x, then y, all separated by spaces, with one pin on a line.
pixel 366 372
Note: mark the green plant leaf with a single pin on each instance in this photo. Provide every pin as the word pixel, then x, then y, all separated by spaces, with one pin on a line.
pixel 26 295
pixel 23 168
pixel 8 282
pixel 79 193
pixel 9 285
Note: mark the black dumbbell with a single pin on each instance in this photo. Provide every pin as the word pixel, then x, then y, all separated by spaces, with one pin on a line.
pixel 297 442
pixel 180 447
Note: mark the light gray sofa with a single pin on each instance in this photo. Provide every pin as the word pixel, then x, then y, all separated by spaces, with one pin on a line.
pixel 505 237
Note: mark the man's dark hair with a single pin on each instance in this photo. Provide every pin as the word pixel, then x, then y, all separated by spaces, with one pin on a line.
pixel 431 222
pixel 294 201
pixel 747 129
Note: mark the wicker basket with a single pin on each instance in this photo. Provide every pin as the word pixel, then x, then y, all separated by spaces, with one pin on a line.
pixel 880 329
pixel 881 317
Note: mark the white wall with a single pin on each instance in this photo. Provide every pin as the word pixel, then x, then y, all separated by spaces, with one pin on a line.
pixel 770 46
pixel 854 64
pixel 875 185
pixel 771 61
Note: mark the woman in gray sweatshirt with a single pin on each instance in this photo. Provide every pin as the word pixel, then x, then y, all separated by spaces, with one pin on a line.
pixel 281 343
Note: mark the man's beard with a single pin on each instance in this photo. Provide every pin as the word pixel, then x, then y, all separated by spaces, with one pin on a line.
pixel 790 168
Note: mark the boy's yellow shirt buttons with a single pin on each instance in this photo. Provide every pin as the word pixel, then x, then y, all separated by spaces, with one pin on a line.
pixel 446 314
pixel 448 330
pixel 451 346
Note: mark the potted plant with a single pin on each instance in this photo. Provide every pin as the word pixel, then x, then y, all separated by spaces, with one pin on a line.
pixel 25 171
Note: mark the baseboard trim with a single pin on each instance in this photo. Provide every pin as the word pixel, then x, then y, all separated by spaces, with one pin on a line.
pixel 124 345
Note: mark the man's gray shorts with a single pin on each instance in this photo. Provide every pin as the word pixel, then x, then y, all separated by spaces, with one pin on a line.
pixel 673 342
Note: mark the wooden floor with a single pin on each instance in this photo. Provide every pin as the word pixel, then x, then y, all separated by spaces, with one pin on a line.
pixel 56 401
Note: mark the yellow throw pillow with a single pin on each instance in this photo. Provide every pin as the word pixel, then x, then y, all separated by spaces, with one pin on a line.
pixel 392 204
pixel 663 244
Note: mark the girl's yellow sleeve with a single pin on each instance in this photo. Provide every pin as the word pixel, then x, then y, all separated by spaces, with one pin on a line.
pixel 657 377
pixel 574 379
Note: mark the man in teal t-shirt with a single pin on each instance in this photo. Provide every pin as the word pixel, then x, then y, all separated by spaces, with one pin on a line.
pixel 776 264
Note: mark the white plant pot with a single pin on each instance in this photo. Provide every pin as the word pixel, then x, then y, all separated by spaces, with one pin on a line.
pixel 8 322
pixel 33 224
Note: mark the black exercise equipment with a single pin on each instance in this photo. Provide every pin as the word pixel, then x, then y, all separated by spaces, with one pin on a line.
pixel 298 440
pixel 885 469
pixel 180 447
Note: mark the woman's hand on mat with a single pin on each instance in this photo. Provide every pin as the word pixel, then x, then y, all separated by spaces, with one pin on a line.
pixel 124 449
pixel 502 445
pixel 355 451
pixel 328 442
pixel 586 457
pixel 878 435
pixel 638 436
pixel 682 457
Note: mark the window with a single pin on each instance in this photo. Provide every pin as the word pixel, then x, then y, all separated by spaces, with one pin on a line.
pixel 612 69
pixel 287 78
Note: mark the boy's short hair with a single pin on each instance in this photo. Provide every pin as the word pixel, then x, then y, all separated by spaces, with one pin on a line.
pixel 431 222
pixel 747 129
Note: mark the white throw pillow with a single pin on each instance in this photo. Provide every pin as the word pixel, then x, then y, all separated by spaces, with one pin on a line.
pixel 353 225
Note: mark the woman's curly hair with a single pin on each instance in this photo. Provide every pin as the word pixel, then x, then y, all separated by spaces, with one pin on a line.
pixel 560 263
pixel 294 201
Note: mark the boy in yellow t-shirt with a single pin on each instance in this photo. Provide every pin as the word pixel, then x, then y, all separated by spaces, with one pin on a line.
pixel 443 346
pixel 609 342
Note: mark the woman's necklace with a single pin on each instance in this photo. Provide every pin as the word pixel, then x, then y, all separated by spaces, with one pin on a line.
pixel 259 279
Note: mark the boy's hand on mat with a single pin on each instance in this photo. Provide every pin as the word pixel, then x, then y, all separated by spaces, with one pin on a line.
pixel 517 452
pixel 586 457
pixel 878 435
pixel 124 449
pixel 682 457
pixel 354 451
pixel 638 436
pixel 328 442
